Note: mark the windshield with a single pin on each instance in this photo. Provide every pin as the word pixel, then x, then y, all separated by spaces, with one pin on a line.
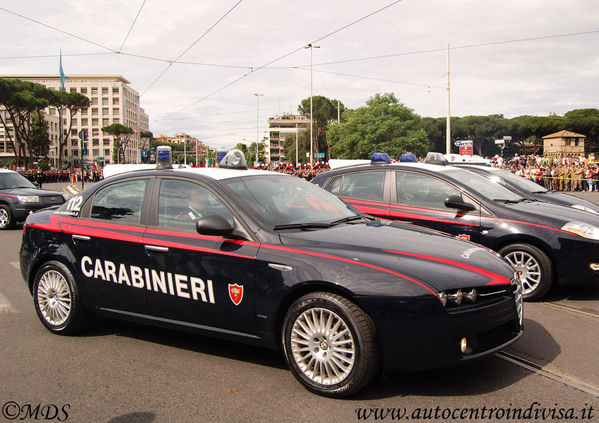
pixel 489 188
pixel 283 201
pixel 14 180
pixel 519 182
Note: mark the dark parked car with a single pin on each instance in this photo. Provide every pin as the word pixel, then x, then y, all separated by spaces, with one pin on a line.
pixel 19 197
pixel 529 189
pixel 546 243
pixel 271 260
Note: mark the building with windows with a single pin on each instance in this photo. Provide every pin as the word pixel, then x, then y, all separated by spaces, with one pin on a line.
pixel 279 128
pixel 112 100
pixel 563 144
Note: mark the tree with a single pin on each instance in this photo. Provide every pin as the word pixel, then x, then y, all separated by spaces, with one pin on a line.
pixel 73 103
pixel 121 137
pixel 40 141
pixel 384 125
pixel 20 99
pixel 324 112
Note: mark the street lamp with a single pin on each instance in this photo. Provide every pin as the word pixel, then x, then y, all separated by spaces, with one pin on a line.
pixel 257 118
pixel 311 46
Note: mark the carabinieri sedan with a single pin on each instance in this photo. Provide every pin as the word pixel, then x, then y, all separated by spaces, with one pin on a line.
pixel 546 243
pixel 270 260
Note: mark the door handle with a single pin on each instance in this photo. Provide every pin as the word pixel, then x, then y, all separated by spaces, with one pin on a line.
pixel 156 248
pixel 81 238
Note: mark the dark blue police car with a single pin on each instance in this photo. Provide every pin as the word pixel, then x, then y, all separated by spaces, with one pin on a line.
pixel 546 243
pixel 271 260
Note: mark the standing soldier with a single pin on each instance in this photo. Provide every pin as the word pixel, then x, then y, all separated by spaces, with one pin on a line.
pixel 578 178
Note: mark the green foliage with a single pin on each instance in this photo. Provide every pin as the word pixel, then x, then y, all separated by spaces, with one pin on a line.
pixel 384 125
pixel 120 134
pixel 324 112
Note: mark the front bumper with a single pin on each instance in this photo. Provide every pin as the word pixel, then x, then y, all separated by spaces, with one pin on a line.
pixel 421 334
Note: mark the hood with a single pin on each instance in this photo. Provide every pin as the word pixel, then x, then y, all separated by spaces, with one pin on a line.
pixel 567 200
pixel 31 191
pixel 436 260
pixel 549 214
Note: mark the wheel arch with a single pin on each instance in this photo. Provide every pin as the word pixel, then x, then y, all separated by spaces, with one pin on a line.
pixel 535 242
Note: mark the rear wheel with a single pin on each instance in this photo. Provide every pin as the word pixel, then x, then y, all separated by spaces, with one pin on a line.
pixel 6 218
pixel 533 267
pixel 57 300
pixel 330 344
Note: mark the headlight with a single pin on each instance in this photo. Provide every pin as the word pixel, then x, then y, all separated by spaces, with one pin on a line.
pixel 583 208
pixel 28 198
pixel 583 229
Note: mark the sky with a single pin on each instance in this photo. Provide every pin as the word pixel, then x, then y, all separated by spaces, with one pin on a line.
pixel 198 64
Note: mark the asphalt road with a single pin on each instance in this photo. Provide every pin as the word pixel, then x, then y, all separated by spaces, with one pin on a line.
pixel 120 372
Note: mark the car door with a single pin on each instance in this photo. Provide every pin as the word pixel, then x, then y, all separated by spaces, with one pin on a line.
pixel 366 191
pixel 198 281
pixel 419 198
pixel 107 245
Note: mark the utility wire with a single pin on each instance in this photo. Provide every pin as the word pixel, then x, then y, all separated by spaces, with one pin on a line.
pixel 444 49
pixel 59 30
pixel 284 56
pixel 188 48
pixel 131 27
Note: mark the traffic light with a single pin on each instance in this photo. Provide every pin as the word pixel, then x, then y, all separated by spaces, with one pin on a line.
pixel 84 149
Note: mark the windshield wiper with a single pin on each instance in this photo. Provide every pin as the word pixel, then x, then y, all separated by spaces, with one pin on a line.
pixel 349 219
pixel 502 200
pixel 302 226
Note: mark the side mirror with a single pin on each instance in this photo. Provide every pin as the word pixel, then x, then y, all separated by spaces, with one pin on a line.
pixel 213 224
pixel 456 202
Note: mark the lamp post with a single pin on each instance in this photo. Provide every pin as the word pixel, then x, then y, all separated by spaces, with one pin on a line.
pixel 257 118
pixel 311 46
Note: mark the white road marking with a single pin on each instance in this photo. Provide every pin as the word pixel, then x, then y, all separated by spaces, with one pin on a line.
pixel 5 305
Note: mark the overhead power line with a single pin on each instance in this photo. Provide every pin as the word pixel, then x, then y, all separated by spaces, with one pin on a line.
pixel 286 55
pixel 133 24
pixel 189 48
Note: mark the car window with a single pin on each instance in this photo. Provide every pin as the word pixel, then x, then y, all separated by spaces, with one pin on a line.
pixel 363 185
pixel 181 203
pixel 419 190
pixel 121 201
pixel 335 186
pixel 281 200
pixel 14 180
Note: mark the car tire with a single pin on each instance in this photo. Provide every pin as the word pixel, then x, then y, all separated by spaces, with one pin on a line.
pixel 6 217
pixel 533 266
pixel 330 344
pixel 57 300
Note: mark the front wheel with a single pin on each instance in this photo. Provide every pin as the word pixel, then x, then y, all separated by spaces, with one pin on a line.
pixel 57 300
pixel 6 217
pixel 533 267
pixel 330 344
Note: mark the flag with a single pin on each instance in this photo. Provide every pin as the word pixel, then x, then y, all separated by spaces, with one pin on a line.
pixel 62 77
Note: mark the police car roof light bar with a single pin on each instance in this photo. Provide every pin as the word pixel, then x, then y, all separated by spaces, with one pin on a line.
pixel 379 158
pixel 164 157
pixel 234 159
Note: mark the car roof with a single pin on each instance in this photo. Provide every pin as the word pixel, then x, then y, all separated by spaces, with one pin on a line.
pixel 7 171
pixel 210 172
pixel 401 165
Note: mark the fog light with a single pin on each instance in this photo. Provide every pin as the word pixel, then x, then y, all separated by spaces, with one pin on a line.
pixel 595 266
pixel 463 345
pixel 470 295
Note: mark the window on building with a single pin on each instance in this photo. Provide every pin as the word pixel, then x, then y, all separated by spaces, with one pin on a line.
pixel 105 101
pixel 95 152
pixel 115 100
pixel 73 90
pixel 94 111
pixel 84 122
pixel 116 111
pixel 94 101
pixel 107 152
pixel 115 90
pixel 74 121
pixel 94 90
pixel 105 110
pixel 116 120
pixel 95 122
pixel 83 90
pixel 104 90
pixel 105 121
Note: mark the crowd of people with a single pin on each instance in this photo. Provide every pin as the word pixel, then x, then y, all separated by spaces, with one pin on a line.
pixel 303 171
pixel 40 177
pixel 563 174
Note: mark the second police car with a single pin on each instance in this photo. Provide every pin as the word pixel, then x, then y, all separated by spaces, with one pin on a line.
pixel 546 243
pixel 270 260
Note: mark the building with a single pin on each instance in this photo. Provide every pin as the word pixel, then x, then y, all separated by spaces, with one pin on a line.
pixel 112 100
pixel 280 127
pixel 563 144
